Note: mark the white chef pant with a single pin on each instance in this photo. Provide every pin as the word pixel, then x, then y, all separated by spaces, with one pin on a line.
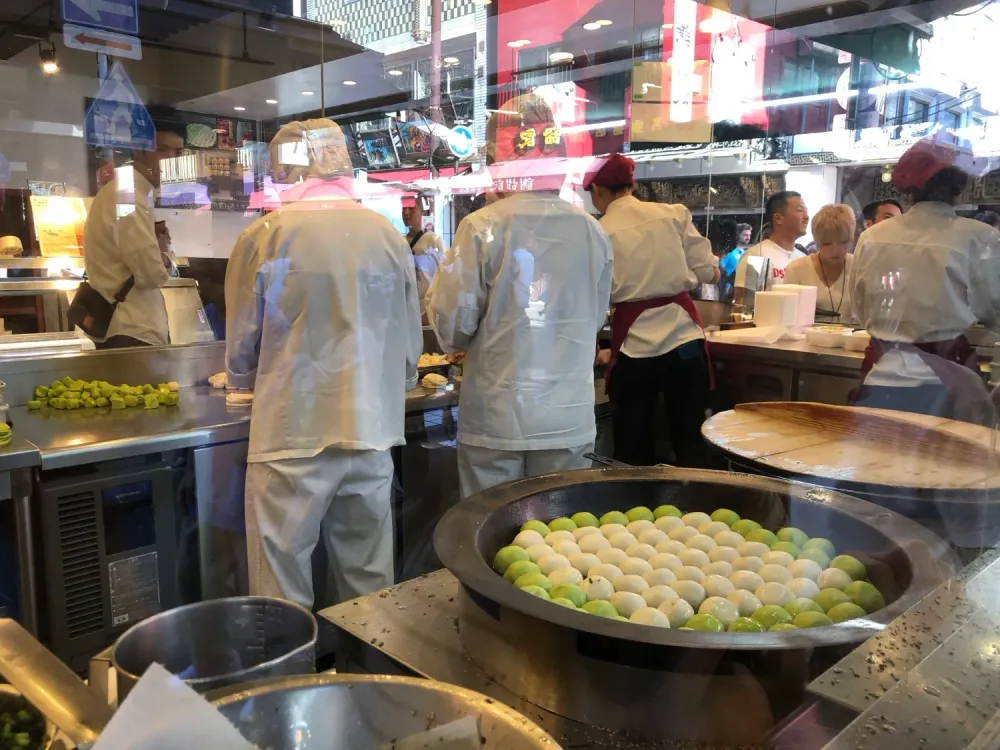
pixel 482 468
pixel 341 496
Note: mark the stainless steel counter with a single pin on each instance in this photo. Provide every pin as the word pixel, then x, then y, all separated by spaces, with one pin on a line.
pixel 20 454
pixel 798 354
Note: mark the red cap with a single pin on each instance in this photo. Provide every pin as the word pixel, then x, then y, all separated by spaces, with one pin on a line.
pixel 616 170
pixel 921 161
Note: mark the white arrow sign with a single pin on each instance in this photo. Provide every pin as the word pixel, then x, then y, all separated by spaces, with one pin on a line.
pixel 94 8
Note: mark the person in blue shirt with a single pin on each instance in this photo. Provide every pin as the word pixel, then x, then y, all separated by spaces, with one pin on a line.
pixel 729 261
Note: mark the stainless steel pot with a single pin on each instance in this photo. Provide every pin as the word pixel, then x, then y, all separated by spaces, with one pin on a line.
pixel 219 642
pixel 725 688
pixel 345 712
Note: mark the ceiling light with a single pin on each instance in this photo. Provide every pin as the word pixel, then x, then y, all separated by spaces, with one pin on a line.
pixel 556 57
pixel 592 26
pixel 519 43
pixel 450 61
pixel 308 93
pixel 350 83
pixel 240 109
pixel 667 26
pixel 50 66
pixel 484 2
pixel 603 22
pixel 270 101
pixel 395 72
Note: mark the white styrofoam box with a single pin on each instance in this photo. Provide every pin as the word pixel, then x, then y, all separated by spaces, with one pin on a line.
pixel 806 296
pixel 775 309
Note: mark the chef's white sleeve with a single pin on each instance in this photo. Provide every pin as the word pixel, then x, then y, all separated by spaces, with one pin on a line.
pixel 985 277
pixel 856 283
pixel 244 312
pixel 414 331
pixel 137 237
pixel 604 284
pixel 458 294
pixel 698 252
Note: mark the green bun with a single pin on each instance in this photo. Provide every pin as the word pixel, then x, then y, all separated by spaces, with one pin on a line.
pixel 865 595
pixel 34 404
pixel 709 623
pixel 600 608
pixel 519 568
pixel 850 565
pixel 830 598
pixel 824 545
pixel 563 602
pixel 571 593
pixel 615 516
pixel 619 617
pixel 533 579
pixel 685 628
pixel 584 519
pixel 508 555
pixel 744 526
pixel 745 624
pixel 791 534
pixel 770 615
pixel 801 605
pixel 538 526
pixel 562 524
pixel 667 510
pixel 811 620
pixel 788 547
pixel 846 611
pixel 536 591
pixel 781 626
pixel 762 535
pixel 639 513
pixel 726 516
pixel 815 554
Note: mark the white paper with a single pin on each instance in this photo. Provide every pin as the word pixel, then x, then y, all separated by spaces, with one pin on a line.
pixel 163 713
pixel 756 335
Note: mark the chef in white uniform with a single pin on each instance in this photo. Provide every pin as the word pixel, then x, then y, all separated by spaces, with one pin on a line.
pixel 788 218
pixel 919 282
pixel 657 342
pixel 323 323
pixel 524 291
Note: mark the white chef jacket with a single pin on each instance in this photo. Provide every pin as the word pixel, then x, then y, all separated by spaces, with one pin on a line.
pixel 779 257
pixel 833 299
pixel 658 253
pixel 428 252
pixel 928 275
pixel 524 291
pixel 323 322
pixel 119 241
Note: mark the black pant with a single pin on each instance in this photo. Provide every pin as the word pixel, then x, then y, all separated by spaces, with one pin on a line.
pixel 681 376
pixel 120 342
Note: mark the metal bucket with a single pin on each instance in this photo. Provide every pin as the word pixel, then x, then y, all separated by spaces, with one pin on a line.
pixel 342 712
pixel 219 642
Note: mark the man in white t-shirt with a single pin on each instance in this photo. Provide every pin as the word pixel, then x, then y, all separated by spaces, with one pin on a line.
pixel 788 218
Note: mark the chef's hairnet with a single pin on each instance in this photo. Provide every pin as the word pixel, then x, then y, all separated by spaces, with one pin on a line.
pixel 314 148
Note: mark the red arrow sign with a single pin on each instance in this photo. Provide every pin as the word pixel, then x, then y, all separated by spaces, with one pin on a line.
pixel 109 43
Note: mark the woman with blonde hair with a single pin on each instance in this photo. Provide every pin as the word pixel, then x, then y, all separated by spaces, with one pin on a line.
pixel 829 268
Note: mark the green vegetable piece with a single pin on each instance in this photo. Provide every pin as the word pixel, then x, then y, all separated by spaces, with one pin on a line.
pixel 131 401
pixel 107 391
pixel 42 391
pixel 57 403
pixel 72 403
pixel 117 403
pixel 68 381
pixel 57 386
pixel 151 401
pixel 172 399
pixel 147 389
pixel 88 403
pixel 35 405
pixel 101 401
pixel 74 394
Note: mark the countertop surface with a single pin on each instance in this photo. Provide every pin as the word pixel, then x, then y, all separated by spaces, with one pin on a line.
pixel 798 353
pixel 20 454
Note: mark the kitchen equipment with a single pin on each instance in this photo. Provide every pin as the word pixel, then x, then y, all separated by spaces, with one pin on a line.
pixel 661 683
pixel 775 309
pixel 366 711
pixel 830 337
pixel 10 246
pixel 220 642
pixel 713 313
pixel 10 699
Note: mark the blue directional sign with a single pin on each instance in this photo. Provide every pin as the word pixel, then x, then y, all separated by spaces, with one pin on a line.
pixel 117 118
pixel 460 141
pixel 114 15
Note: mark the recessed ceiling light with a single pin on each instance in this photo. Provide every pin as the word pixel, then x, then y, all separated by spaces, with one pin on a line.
pixel 519 43
pixel 484 2
pixel 270 101
pixel 308 93
pixel 603 22
pixel 560 56
pixel 395 72
pixel 622 41
pixel 450 60
pixel 592 26
pixel 667 26
pixel 240 109
pixel 350 83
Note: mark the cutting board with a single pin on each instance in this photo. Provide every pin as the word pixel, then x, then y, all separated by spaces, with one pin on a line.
pixel 909 451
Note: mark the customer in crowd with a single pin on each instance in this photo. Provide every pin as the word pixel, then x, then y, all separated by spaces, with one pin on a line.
pixel 830 266
pixel 524 291
pixel 744 234
pixel 427 247
pixel 163 239
pixel 324 325
pixel 120 247
pixel 730 257
pixel 878 211
pixel 788 219
pixel 918 283
pixel 989 217
pixel 657 343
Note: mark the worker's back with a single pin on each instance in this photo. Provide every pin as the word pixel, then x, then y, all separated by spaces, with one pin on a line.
pixel 329 296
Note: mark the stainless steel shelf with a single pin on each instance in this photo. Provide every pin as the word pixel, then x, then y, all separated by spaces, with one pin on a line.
pixel 36 262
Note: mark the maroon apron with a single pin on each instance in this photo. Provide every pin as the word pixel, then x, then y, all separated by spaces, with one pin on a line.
pixel 953 362
pixel 626 313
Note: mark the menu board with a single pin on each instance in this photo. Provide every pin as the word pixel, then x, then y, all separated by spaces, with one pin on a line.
pixel 59 221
